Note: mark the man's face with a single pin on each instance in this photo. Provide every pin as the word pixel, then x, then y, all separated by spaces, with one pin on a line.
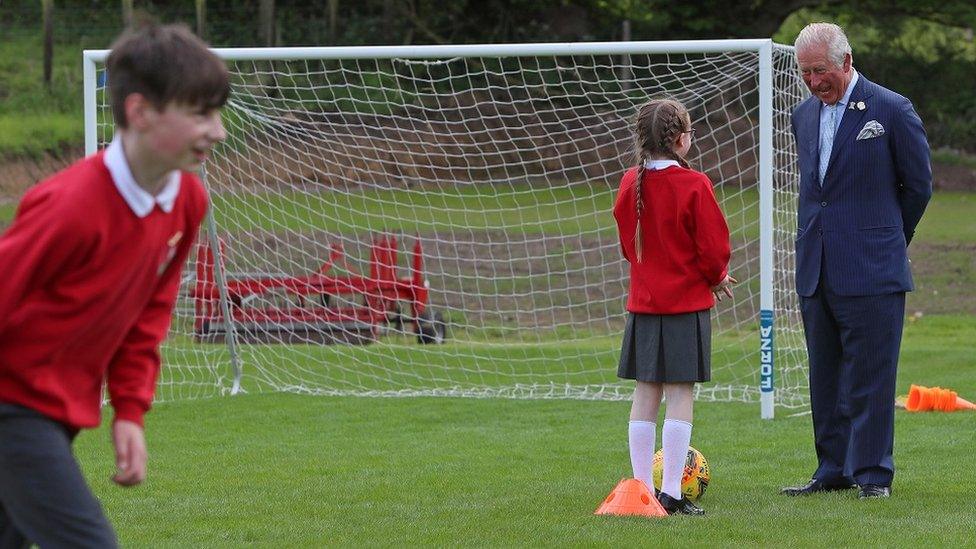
pixel 181 136
pixel 824 79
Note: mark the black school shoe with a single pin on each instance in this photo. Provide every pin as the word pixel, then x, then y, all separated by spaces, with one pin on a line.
pixel 873 491
pixel 813 487
pixel 679 506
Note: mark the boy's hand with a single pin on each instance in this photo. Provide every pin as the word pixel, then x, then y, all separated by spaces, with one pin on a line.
pixel 130 453
pixel 725 286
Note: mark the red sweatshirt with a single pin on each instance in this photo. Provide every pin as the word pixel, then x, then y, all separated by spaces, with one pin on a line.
pixel 686 241
pixel 86 293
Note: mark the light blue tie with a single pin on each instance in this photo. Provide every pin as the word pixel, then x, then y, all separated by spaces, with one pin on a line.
pixel 827 140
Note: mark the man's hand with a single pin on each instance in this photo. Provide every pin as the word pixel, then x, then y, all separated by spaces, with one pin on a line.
pixel 130 453
pixel 724 287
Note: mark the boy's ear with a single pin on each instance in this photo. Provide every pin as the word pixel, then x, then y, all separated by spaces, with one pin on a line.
pixel 140 113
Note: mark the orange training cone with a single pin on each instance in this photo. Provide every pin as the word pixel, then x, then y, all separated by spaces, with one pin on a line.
pixel 631 497
pixel 924 399
pixel 963 404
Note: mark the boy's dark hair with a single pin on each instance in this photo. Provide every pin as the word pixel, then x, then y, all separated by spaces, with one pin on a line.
pixel 166 64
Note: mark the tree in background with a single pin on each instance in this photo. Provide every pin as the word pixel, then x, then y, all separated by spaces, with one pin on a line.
pixel 267 19
pixel 47 7
pixel 201 6
pixel 126 13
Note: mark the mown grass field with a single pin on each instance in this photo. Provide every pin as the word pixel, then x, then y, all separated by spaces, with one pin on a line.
pixel 303 471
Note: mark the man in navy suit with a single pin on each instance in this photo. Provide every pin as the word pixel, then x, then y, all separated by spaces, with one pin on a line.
pixel 865 180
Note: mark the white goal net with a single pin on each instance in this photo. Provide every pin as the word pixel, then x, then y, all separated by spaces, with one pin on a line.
pixel 437 220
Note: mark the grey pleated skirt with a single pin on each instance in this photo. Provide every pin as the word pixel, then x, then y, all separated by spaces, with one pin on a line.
pixel 667 348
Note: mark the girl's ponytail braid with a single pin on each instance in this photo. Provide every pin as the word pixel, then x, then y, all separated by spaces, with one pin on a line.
pixel 639 201
pixel 645 137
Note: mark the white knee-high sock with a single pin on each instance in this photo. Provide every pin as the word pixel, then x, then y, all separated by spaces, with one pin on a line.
pixel 641 437
pixel 675 438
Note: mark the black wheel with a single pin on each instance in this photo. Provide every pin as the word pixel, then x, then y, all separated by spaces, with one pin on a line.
pixel 431 327
pixel 394 320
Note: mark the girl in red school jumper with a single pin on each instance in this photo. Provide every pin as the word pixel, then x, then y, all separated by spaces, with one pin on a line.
pixel 675 238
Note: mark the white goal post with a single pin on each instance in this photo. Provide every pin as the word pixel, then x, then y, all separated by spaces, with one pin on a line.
pixel 446 209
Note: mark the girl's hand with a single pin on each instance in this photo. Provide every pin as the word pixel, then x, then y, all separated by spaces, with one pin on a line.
pixel 724 287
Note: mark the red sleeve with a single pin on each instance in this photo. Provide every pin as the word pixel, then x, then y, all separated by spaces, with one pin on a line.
pixel 134 369
pixel 711 235
pixel 625 214
pixel 41 241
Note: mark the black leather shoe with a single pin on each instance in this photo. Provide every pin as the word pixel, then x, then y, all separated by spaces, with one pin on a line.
pixel 679 506
pixel 871 491
pixel 813 487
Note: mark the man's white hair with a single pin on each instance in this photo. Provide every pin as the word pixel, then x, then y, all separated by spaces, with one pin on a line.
pixel 828 34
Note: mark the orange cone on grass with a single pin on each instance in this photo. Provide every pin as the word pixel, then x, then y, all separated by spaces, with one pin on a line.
pixel 631 497
pixel 925 399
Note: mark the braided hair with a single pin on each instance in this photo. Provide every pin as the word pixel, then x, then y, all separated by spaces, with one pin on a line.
pixel 659 124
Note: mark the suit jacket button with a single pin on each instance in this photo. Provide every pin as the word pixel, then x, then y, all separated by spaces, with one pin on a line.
pixel 823 204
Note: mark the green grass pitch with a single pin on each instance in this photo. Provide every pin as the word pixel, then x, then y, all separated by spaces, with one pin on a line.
pixel 289 470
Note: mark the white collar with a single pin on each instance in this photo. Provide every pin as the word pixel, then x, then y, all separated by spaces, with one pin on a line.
pixel 659 164
pixel 140 201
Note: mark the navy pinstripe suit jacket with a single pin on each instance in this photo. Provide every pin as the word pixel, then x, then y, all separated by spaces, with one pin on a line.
pixel 859 223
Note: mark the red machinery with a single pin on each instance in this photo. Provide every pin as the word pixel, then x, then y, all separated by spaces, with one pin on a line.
pixel 318 307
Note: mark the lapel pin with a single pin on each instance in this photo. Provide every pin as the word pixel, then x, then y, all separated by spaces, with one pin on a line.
pixel 861 106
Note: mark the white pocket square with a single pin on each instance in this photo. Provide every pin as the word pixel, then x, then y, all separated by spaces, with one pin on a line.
pixel 870 130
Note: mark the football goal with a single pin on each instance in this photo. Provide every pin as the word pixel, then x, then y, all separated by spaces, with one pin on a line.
pixel 436 220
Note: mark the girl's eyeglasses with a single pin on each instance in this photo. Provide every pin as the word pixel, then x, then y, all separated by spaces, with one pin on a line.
pixel 692 132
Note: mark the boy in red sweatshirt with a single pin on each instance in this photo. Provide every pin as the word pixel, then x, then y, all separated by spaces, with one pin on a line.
pixel 89 273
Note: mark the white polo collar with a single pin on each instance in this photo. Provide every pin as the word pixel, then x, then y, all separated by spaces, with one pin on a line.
pixel 659 164
pixel 140 201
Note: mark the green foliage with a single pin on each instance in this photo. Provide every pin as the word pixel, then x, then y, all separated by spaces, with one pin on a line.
pixel 22 89
pixel 29 135
pixel 36 118
pixel 952 157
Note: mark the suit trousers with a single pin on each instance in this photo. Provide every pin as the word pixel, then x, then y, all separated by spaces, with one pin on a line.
pixel 853 345
pixel 43 495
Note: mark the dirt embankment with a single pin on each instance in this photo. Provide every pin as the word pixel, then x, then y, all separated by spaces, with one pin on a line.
pixel 18 174
pixel 953 178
